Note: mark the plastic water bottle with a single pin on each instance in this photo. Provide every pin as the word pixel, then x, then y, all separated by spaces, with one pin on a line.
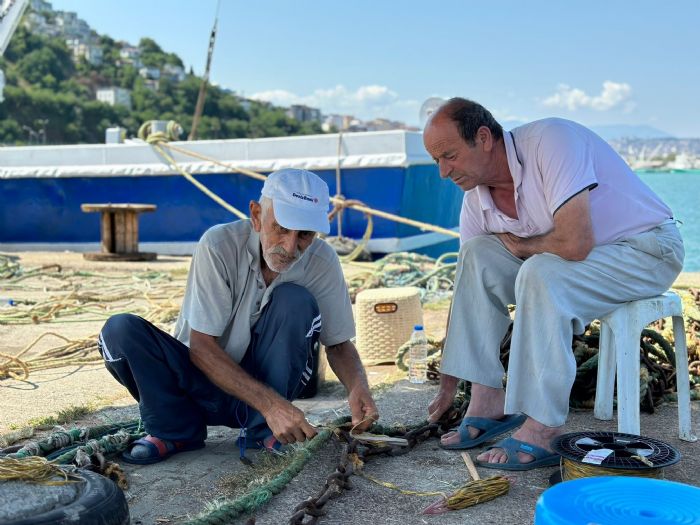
pixel 418 356
pixel 6 301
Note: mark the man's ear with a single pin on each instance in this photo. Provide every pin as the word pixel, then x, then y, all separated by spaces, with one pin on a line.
pixel 484 138
pixel 255 215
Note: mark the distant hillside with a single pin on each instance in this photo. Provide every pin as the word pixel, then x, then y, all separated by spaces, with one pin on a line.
pixel 612 131
pixel 51 88
pixel 620 131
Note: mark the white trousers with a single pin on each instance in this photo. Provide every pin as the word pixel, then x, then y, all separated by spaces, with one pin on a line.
pixel 554 299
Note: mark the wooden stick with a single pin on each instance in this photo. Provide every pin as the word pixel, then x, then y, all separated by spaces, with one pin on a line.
pixel 470 466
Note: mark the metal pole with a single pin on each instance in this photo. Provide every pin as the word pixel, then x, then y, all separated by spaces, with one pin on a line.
pixel 205 79
pixel 338 189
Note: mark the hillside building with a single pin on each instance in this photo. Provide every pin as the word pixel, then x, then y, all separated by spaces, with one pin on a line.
pixel 115 96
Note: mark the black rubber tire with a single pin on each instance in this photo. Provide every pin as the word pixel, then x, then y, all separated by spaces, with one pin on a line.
pixel 100 502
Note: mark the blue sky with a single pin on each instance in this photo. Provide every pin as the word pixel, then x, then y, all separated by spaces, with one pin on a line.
pixel 597 62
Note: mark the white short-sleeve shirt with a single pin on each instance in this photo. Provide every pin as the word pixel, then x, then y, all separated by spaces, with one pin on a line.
pixel 226 291
pixel 552 160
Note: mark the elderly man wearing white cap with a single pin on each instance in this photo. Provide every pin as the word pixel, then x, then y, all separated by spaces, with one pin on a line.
pixel 260 293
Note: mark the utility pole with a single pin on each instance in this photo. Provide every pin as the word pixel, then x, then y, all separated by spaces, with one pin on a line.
pixel 205 79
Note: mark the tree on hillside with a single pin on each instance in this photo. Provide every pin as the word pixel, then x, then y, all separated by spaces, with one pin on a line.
pixel 47 91
pixel 45 67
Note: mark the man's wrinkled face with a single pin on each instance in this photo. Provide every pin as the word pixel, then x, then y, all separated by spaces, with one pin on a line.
pixel 281 248
pixel 457 160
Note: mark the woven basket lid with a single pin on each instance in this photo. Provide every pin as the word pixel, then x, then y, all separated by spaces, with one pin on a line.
pixel 385 319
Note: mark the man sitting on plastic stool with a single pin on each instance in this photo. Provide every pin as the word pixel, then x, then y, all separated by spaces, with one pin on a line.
pixel 554 221
pixel 260 293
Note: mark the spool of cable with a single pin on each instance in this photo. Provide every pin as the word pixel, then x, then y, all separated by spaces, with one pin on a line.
pixel 618 500
pixel 589 454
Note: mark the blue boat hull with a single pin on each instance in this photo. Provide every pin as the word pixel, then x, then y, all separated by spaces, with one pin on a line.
pixel 46 211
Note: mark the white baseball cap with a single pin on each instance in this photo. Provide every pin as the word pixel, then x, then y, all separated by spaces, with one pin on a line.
pixel 299 199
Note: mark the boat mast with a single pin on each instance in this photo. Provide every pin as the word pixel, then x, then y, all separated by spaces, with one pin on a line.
pixel 205 79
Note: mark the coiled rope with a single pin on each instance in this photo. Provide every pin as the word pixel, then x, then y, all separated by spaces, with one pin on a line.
pixel 81 296
pixel 34 469
pixel 575 470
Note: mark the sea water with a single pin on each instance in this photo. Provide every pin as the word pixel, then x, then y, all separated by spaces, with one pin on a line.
pixel 681 191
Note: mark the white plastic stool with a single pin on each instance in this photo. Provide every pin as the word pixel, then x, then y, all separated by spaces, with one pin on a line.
pixel 619 348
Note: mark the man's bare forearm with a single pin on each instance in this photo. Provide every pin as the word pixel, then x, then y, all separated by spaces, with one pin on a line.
pixel 525 247
pixel 286 421
pixel 347 365
pixel 229 376
pixel 571 238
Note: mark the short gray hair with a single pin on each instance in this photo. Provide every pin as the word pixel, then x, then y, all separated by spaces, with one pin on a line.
pixel 265 204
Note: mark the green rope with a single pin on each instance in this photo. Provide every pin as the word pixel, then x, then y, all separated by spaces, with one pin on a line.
pixel 65 439
pixel 433 276
pixel 107 445
pixel 227 511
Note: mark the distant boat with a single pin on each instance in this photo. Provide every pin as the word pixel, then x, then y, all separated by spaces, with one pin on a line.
pixel 42 188
pixel 683 162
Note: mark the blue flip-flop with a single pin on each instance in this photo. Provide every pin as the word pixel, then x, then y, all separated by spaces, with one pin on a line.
pixel 511 446
pixel 159 449
pixel 490 429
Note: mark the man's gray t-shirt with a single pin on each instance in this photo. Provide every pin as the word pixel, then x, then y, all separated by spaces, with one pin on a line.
pixel 226 290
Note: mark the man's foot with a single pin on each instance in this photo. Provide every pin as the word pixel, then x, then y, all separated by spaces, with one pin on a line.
pixel 488 429
pixel 532 433
pixel 485 402
pixel 150 449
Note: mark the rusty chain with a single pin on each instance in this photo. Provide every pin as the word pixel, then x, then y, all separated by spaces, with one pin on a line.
pixel 354 455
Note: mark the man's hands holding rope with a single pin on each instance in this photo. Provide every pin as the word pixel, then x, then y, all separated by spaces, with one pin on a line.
pixel 364 411
pixel 287 422
pixel 347 365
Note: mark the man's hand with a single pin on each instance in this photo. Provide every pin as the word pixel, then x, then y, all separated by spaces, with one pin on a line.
pixel 571 238
pixel 346 364
pixel 443 399
pixel 514 244
pixel 364 411
pixel 287 422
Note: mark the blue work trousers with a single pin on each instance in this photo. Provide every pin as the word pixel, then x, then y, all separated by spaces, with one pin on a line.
pixel 177 400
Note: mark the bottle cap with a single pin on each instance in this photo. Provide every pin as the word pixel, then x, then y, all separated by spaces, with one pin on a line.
pixel 418 327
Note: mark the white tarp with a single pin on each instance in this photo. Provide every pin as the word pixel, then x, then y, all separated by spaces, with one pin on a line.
pixel 313 152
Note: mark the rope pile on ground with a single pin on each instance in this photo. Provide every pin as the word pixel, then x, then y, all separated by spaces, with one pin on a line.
pixel 82 296
pixel 79 296
pixel 434 277
pixel 62 444
pixel 657 371
pixel 9 267
pixel 75 352
pixel 84 448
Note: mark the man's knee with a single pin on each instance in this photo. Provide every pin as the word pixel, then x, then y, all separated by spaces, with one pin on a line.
pixel 119 329
pixel 481 263
pixel 295 298
pixel 121 324
pixel 539 274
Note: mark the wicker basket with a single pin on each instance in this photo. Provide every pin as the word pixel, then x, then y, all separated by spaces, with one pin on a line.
pixel 385 318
